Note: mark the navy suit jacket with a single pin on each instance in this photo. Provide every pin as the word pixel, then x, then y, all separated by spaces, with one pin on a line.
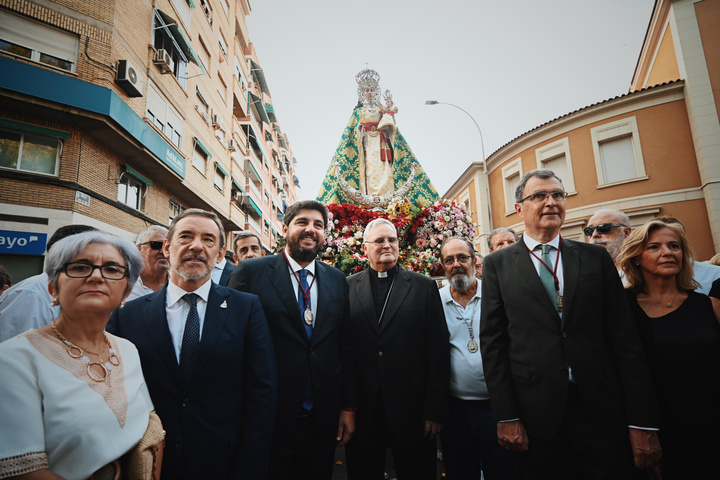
pixel 324 357
pixel 219 424
pixel 527 346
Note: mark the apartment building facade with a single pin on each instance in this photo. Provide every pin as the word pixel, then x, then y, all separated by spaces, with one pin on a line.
pixel 652 151
pixel 121 113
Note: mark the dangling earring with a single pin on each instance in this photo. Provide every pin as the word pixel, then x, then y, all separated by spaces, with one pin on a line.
pixel 122 304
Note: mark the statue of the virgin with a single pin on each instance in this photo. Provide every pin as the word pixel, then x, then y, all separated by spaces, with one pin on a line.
pixel 373 164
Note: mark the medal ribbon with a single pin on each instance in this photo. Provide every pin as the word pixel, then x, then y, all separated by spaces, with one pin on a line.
pixel 305 293
pixel 553 271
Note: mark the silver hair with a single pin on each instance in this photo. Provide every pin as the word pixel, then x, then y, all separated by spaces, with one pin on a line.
pixel 540 173
pixel 374 223
pixel 500 230
pixel 149 232
pixel 622 216
pixel 70 247
pixel 463 281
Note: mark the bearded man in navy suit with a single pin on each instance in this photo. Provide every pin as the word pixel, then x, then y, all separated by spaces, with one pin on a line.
pixel 208 361
pixel 306 303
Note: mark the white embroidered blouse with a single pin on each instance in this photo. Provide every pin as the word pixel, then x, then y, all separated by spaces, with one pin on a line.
pixel 52 415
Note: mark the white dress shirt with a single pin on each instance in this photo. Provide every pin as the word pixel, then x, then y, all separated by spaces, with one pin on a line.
pixel 139 290
pixel 295 268
pixel 25 306
pixel 217 271
pixel 531 243
pixel 177 311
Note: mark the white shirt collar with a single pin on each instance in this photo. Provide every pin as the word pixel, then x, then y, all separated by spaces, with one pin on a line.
pixel 532 244
pixel 295 267
pixel 221 265
pixel 175 293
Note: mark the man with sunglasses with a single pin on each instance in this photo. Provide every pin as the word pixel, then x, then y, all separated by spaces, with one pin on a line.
pixel 608 228
pixel 568 380
pixel 155 271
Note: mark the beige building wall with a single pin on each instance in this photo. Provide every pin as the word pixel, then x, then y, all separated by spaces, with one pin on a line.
pixel 666 126
pixel 211 103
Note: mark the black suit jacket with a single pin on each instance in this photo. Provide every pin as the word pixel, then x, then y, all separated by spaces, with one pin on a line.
pixel 527 346
pixel 299 357
pixel 405 360
pixel 219 424
pixel 227 270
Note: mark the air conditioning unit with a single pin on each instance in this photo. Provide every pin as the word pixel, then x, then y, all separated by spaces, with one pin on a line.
pixel 233 144
pixel 217 122
pixel 128 78
pixel 164 61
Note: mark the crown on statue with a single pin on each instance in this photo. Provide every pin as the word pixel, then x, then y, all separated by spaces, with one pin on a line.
pixel 367 77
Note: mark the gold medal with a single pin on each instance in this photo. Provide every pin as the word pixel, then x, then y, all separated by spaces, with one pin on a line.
pixel 308 317
pixel 472 346
pixel 559 300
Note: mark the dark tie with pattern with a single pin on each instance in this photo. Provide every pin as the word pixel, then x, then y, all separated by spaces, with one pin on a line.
pixel 546 276
pixel 191 337
pixel 304 289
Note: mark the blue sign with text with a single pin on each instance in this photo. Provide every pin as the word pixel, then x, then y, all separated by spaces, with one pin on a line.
pixel 22 243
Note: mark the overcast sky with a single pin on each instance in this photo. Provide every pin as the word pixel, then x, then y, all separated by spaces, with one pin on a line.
pixel 512 65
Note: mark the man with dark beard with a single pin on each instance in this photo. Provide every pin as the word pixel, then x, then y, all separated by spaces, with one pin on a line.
pixel 608 228
pixel 207 358
pixel 306 303
pixel 469 439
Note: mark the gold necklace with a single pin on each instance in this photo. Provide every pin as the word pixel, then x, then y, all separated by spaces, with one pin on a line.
pixel 668 304
pixel 77 352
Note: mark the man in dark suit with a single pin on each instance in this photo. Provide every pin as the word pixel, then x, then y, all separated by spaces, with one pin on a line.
pixel 306 303
pixel 402 355
pixel 247 245
pixel 207 358
pixel 222 270
pixel 567 376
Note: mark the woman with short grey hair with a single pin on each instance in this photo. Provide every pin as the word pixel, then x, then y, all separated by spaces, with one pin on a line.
pixel 74 399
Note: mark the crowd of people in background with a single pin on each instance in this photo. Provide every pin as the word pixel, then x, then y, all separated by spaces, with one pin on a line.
pixel 545 359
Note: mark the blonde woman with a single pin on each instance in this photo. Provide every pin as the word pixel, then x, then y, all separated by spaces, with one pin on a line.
pixel 681 337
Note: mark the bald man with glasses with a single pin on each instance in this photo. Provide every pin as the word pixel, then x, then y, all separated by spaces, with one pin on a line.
pixel 402 359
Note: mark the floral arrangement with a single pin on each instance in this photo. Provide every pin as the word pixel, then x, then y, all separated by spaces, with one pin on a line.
pixel 421 231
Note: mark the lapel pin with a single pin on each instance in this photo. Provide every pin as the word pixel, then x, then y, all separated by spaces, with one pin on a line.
pixel 224 304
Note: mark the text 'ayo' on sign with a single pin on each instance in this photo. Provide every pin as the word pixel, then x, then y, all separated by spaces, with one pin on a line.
pixel 22 243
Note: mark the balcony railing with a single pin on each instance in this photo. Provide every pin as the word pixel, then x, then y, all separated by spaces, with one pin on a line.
pixel 255 225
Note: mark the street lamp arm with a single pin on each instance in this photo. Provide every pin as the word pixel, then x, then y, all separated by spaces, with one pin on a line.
pixel 482 146
pixel 482 143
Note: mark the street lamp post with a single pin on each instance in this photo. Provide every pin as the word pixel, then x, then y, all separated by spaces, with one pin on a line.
pixel 482 147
